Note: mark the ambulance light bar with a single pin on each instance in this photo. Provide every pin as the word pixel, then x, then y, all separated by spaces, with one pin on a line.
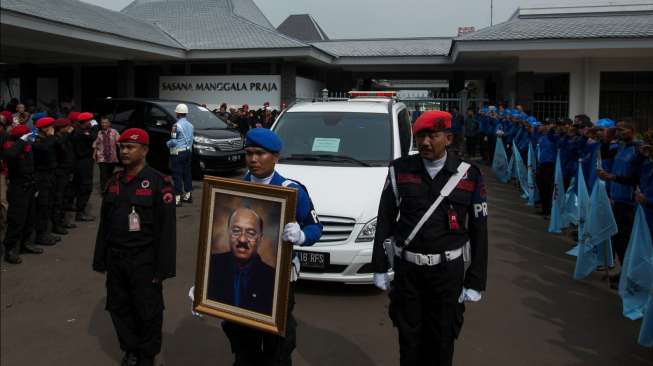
pixel 387 94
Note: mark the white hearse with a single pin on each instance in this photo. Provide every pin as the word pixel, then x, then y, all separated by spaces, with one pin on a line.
pixel 340 151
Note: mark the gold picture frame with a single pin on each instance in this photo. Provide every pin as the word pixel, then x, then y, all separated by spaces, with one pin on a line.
pixel 232 281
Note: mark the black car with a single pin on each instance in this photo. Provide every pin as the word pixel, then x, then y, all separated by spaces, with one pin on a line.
pixel 216 147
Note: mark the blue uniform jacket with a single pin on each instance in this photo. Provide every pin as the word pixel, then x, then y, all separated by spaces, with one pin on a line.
pixel 626 163
pixel 305 213
pixel 548 148
pixel 184 138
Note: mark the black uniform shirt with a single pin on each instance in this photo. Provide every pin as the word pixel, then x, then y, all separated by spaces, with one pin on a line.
pixel 65 152
pixel 45 157
pixel 19 158
pixel 150 196
pixel 417 192
pixel 83 142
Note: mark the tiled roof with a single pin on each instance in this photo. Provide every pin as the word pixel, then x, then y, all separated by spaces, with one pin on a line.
pixel 579 26
pixel 386 47
pixel 212 24
pixel 89 16
pixel 302 27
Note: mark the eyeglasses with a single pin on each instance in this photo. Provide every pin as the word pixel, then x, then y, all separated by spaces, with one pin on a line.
pixel 250 234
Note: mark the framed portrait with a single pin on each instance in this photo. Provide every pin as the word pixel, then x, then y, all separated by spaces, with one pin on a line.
pixel 243 265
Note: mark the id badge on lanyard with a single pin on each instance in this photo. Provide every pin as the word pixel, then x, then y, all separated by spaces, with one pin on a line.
pixel 134 221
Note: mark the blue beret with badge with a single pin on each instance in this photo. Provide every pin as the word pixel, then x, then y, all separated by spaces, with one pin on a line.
pixel 263 138
pixel 605 123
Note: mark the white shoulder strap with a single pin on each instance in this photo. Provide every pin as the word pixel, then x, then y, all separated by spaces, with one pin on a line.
pixel 287 182
pixel 444 192
pixel 393 183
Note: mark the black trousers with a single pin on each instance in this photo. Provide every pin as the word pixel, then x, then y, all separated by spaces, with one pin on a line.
pixel 253 347
pixel 624 215
pixel 45 183
pixel 20 215
pixel 106 171
pixel 83 180
pixel 62 183
pixel 425 310
pixel 134 301
pixel 545 177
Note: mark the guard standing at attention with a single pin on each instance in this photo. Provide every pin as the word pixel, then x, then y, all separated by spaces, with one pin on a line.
pixel 136 247
pixel 82 139
pixel 181 144
pixel 63 175
pixel 45 163
pixel 432 205
pixel 21 191
pixel 253 347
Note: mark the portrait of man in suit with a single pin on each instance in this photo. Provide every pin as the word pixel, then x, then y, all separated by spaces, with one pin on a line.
pixel 239 277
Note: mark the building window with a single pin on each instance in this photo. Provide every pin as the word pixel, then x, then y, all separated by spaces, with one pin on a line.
pixel 627 96
pixel 550 96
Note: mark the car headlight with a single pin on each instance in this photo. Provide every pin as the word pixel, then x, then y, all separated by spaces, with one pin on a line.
pixel 367 232
pixel 202 140
pixel 203 147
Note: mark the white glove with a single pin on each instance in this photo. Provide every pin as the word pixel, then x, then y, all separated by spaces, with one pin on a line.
pixel 93 123
pixel 26 137
pixel 191 295
pixel 293 233
pixel 382 281
pixel 469 294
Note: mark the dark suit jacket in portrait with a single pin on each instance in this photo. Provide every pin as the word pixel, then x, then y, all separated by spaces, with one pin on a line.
pixel 251 287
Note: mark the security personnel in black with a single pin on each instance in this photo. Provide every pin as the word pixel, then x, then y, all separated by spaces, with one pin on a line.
pixel 430 283
pixel 136 247
pixel 63 175
pixel 17 154
pixel 45 162
pixel 82 139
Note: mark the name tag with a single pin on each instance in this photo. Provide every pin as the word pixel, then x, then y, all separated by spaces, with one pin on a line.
pixel 134 221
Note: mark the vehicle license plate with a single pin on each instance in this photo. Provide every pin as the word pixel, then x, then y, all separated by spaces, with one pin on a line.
pixel 313 259
pixel 234 158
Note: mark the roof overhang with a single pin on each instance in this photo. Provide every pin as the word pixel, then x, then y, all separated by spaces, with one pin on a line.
pixel 25 31
pixel 262 53
pixel 520 47
pixel 392 60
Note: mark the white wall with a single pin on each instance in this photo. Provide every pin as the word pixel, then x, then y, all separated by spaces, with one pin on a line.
pixel 235 90
pixel 307 88
pixel 585 77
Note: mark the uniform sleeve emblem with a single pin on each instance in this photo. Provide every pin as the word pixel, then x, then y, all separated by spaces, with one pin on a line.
pixel 168 197
pixel 145 184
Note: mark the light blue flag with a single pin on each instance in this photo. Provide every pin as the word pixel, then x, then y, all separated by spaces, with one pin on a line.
pixel 646 332
pixel 570 212
pixel 533 194
pixel 500 162
pixel 595 246
pixel 585 250
pixel 557 222
pixel 520 170
pixel 637 269
pixel 511 167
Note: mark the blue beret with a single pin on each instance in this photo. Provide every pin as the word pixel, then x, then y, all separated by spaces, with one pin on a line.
pixel 263 138
pixel 605 123
pixel 485 109
pixel 38 116
pixel 532 120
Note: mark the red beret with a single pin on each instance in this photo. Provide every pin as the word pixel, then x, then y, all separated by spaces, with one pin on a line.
pixel 135 135
pixel 19 130
pixel 432 120
pixel 72 116
pixel 44 122
pixel 62 122
pixel 85 116
pixel 8 116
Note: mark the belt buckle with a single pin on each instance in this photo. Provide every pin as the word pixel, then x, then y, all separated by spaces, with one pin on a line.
pixel 431 260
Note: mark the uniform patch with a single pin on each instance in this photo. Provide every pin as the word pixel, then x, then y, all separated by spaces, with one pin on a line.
pixel 409 178
pixel 466 185
pixel 168 197
pixel 480 209
pixel 143 192
pixel 113 188
pixel 145 183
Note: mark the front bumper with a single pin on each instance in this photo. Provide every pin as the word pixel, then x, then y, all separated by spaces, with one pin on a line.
pixel 218 161
pixel 349 263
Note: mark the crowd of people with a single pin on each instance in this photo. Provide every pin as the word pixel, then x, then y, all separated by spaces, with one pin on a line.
pixel 245 118
pixel 593 180
pixel 46 170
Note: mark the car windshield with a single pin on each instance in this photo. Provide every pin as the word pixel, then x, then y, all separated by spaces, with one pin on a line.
pixel 336 138
pixel 200 117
